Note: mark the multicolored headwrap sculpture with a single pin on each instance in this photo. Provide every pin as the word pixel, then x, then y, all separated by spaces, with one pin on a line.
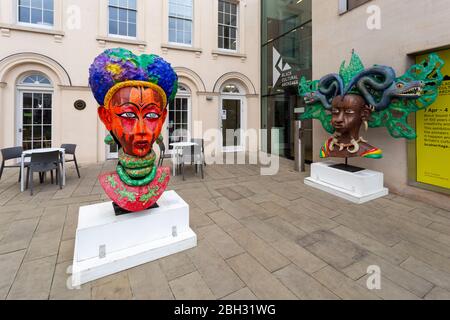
pixel 133 93
pixel 375 97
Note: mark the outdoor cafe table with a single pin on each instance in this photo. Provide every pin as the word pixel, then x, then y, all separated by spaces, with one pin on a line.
pixel 28 153
pixel 178 149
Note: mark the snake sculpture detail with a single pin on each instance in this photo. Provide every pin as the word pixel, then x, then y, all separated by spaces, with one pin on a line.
pixel 374 97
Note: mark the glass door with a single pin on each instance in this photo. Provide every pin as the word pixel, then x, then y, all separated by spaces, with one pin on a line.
pixel 231 124
pixel 112 151
pixel 34 120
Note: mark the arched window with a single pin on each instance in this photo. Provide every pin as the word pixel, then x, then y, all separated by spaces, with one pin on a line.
pixel 182 89
pixel 231 88
pixel 36 80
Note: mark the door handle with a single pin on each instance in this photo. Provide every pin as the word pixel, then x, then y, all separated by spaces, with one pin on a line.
pixel 20 130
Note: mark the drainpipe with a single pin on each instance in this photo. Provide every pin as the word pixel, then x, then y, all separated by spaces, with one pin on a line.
pixel 299 145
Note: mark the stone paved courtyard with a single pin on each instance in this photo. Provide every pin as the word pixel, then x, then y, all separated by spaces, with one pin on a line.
pixel 259 238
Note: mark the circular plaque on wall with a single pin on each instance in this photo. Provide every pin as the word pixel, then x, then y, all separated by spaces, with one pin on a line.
pixel 80 105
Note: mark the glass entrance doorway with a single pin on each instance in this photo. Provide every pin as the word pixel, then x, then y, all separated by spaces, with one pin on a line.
pixel 36 119
pixel 286 58
pixel 34 112
pixel 231 123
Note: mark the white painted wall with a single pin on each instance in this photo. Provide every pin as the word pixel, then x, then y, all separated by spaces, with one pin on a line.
pixel 61 50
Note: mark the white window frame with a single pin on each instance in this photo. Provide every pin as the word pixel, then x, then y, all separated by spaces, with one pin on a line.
pixel 192 26
pixel 109 154
pixel 22 88
pixel 112 35
pixel 241 96
pixel 35 25
pixel 181 95
pixel 238 26
pixel 343 6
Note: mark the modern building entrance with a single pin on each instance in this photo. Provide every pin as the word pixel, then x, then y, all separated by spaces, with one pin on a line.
pixel 286 57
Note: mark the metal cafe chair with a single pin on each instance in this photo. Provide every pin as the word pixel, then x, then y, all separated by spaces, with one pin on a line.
pixel 194 156
pixel 163 155
pixel 178 152
pixel 70 149
pixel 201 142
pixel 12 154
pixel 43 162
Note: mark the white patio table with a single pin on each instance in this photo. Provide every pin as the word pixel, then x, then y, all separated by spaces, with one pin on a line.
pixel 28 153
pixel 178 150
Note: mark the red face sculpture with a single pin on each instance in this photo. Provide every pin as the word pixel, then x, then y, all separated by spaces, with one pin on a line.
pixel 135 115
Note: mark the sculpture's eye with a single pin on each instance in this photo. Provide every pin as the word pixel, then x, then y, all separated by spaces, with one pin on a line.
pixel 335 111
pixel 128 115
pixel 152 115
pixel 349 111
pixel 400 85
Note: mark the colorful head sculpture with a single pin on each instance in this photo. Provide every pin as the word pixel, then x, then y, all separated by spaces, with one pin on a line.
pixel 374 97
pixel 133 93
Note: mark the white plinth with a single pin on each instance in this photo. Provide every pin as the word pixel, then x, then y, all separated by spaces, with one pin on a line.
pixel 358 187
pixel 106 244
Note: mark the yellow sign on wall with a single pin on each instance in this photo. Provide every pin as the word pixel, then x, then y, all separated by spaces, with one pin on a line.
pixel 433 130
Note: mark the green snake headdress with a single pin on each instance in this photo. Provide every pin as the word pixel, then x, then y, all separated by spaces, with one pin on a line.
pixel 391 98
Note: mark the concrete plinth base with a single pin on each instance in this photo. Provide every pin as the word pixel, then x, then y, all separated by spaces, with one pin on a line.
pixel 106 244
pixel 358 187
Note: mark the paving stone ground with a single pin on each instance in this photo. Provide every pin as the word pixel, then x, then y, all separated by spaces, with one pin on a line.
pixel 260 237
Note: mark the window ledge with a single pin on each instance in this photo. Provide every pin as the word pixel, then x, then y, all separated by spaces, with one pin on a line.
pixel 170 46
pixel 343 8
pixel 77 88
pixel 216 53
pixel 6 28
pixel 103 40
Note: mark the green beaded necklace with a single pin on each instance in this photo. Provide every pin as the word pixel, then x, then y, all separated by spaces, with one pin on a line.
pixel 136 172
pixel 133 182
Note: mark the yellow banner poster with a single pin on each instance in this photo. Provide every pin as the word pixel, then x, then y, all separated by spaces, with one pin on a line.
pixel 433 130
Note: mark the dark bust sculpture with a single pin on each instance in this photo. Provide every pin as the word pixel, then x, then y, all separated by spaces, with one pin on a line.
pixel 348 115
pixel 372 97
